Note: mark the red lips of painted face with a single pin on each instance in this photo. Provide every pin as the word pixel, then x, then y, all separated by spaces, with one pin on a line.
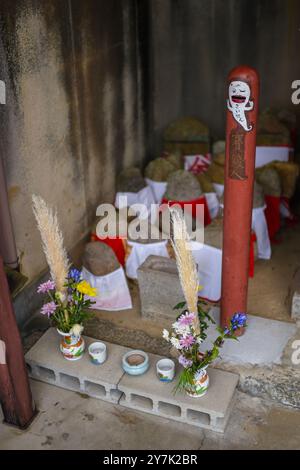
pixel 238 99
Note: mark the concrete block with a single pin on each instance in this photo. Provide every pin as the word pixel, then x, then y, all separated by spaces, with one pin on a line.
pixel 143 393
pixel 146 393
pixel 46 363
pixel 160 288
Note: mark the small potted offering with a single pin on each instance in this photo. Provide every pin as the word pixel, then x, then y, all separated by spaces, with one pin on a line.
pixel 135 362
pixel 68 296
pixel 98 352
pixel 165 369
pixel 189 330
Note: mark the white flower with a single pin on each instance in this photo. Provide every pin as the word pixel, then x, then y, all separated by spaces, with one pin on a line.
pixel 166 335
pixel 175 342
pixel 182 330
pixel 76 330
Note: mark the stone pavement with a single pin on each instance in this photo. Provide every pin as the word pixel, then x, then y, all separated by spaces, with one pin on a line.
pixel 70 420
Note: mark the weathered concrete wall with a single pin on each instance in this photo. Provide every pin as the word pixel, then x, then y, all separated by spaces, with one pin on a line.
pixel 91 84
pixel 195 43
pixel 74 113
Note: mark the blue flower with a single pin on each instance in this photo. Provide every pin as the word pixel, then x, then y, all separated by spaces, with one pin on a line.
pixel 75 274
pixel 238 320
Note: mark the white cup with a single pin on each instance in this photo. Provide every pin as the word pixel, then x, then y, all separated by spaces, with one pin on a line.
pixel 165 369
pixel 98 352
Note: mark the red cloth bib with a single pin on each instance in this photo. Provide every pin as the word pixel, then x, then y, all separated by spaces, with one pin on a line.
pixel 193 203
pixel 272 213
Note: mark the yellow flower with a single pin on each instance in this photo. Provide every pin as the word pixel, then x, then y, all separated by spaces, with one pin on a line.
pixel 200 288
pixel 85 288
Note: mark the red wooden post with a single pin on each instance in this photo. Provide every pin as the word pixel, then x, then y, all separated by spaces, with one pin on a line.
pixel 16 399
pixel 7 396
pixel 242 106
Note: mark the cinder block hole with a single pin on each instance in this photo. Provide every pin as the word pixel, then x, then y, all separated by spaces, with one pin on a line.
pixel 45 374
pixel 141 402
pixel 70 381
pixel 198 417
pixel 169 409
pixel 115 394
pixel 94 389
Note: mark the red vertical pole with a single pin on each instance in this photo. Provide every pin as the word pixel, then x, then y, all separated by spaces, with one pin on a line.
pixel 16 399
pixel 242 106
pixel 7 396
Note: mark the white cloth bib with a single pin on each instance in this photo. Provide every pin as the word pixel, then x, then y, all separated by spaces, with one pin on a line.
pixel 270 153
pixel 144 196
pixel 158 188
pixel 113 292
pixel 259 226
pixel 209 266
pixel 219 188
pixel 213 204
pixel 140 252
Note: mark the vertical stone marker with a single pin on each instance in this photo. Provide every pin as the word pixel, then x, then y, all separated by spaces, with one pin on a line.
pixel 242 107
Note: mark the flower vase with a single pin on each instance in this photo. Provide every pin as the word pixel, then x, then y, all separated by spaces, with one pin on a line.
pixel 200 385
pixel 71 346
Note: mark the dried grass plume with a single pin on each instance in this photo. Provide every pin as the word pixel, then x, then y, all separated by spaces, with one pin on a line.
pixel 185 263
pixel 52 241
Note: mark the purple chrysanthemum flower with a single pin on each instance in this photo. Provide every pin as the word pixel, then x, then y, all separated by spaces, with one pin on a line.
pixel 48 309
pixel 187 341
pixel 186 319
pixel 184 361
pixel 74 274
pixel 46 287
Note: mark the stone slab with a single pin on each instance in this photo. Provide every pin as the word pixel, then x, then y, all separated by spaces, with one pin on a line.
pixel 146 393
pixel 46 363
pixel 156 302
pixel 263 343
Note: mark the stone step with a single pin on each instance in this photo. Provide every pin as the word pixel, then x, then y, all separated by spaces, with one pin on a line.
pixel 146 393
pixel 143 393
pixel 46 363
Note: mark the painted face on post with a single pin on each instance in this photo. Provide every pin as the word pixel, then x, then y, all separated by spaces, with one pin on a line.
pixel 239 102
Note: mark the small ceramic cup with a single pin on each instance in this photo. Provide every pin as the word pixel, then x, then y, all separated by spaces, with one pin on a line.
pixel 165 369
pixel 98 352
pixel 135 362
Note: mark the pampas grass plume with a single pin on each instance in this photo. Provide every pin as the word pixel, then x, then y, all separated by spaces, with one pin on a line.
pixel 185 263
pixel 52 242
